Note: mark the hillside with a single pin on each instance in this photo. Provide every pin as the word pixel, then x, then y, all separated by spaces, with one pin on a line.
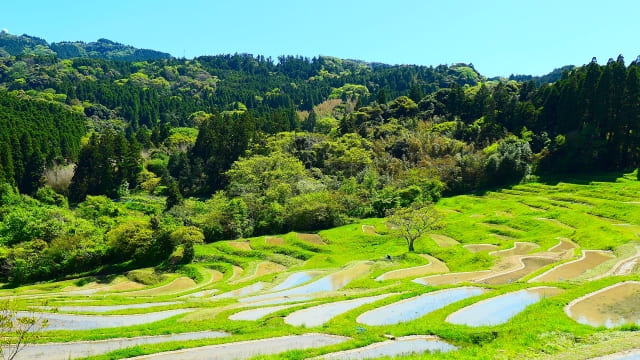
pixel 542 270
pixel 13 45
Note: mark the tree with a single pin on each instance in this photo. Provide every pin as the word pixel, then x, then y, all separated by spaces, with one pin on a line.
pixel 413 222
pixel 174 197
pixel 17 330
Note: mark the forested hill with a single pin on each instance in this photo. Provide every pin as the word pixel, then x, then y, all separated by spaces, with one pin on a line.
pixel 239 145
pixel 13 45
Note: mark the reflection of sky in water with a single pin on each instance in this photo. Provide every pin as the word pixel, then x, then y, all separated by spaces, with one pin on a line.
pixel 495 311
pixel 274 301
pixel 396 348
pixel 107 308
pixel 407 310
pixel 328 283
pixel 318 315
pixel 87 322
pixel 242 291
pixel 255 314
pixel 594 321
pixel 293 280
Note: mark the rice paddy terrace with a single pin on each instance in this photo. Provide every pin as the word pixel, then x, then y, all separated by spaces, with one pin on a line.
pixel 540 270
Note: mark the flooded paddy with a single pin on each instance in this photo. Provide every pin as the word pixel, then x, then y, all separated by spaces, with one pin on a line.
pixel 88 322
pixel 413 308
pixel 500 309
pixel 435 266
pixel 573 269
pixel 443 240
pixel 402 346
pixel 255 314
pixel 612 306
pixel 624 355
pixel 519 248
pixel 82 349
pixel 321 314
pixel 247 290
pixel 107 308
pixel 528 265
pixel 330 282
pixel 294 280
pixel 248 349
pixel 563 245
pixel 452 278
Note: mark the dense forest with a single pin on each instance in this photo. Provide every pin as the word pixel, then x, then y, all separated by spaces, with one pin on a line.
pixel 117 157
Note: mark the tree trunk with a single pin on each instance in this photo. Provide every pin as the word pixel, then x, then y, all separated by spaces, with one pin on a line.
pixel 411 249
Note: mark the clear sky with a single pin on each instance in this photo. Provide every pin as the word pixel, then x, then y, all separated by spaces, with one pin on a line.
pixel 499 37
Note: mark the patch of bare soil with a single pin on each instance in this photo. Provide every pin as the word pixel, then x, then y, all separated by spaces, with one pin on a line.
pixel 476 248
pixel 435 266
pixel 240 245
pixel 573 269
pixel 443 240
pixel 519 248
pixel 369 230
pixel 263 268
pixel 314 239
pixel 177 285
pixel 276 241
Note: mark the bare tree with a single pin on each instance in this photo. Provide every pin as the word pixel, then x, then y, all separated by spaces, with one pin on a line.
pixel 413 222
pixel 17 329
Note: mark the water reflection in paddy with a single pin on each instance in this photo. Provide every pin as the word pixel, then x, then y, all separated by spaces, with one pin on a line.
pixel 319 315
pixel 399 347
pixel 413 308
pixel 294 280
pixel 500 309
pixel 331 282
pixel 612 306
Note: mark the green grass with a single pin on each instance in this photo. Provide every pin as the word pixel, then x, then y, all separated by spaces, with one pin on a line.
pixel 581 210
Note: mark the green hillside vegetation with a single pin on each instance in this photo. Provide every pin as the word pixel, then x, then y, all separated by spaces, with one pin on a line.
pixel 587 213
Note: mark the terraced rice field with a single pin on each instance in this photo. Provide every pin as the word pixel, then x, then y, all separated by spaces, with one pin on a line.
pixel 518 273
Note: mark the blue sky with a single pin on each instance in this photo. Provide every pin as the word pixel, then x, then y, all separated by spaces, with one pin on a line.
pixel 499 37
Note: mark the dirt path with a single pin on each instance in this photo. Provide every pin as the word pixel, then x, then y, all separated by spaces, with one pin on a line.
pixel 435 266
pixel 573 269
pixel 82 349
pixel 248 349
